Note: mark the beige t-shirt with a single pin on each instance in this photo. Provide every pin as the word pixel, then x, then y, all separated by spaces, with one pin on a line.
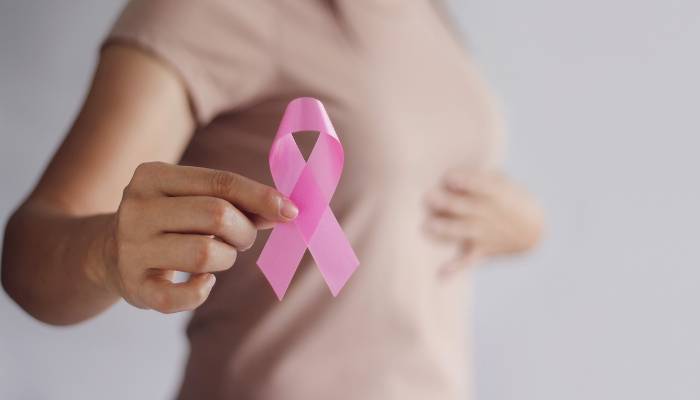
pixel 407 104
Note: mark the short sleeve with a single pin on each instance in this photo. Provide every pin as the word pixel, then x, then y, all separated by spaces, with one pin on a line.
pixel 221 49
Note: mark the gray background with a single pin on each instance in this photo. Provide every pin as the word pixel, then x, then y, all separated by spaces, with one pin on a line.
pixel 601 98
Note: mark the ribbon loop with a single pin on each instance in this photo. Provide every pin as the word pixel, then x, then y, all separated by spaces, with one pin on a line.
pixel 310 185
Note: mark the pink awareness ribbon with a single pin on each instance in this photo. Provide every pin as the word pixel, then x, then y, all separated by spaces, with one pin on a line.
pixel 310 185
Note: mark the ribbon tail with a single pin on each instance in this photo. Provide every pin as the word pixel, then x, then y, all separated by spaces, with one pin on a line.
pixel 332 252
pixel 281 256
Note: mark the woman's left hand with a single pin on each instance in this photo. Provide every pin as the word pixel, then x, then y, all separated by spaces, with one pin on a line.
pixel 485 213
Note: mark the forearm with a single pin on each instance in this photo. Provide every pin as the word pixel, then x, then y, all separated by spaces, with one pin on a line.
pixel 53 263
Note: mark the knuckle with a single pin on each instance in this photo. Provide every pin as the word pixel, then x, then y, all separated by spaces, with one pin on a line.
pixel 162 302
pixel 271 199
pixel 219 211
pixel 141 176
pixel 223 182
pixel 203 253
pixel 151 166
pixel 250 234
pixel 144 169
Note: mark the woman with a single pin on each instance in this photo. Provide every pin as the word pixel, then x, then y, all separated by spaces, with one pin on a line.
pixel 204 84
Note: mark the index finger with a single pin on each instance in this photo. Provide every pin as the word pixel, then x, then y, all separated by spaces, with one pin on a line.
pixel 242 192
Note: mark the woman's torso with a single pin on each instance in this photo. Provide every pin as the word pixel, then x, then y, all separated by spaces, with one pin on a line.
pixel 407 105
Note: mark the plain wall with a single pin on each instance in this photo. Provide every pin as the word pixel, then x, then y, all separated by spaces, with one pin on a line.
pixel 601 101
pixel 47 54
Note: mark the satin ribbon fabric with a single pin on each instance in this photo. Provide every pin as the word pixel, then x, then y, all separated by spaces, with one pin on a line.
pixel 310 185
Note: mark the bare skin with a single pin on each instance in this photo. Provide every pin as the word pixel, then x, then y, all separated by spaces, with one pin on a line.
pixel 81 241
pixel 485 213
pixel 113 217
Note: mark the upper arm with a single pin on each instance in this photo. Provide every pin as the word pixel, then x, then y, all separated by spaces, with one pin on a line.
pixel 137 110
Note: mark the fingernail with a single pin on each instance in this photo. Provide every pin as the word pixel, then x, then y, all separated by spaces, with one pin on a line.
pixel 288 209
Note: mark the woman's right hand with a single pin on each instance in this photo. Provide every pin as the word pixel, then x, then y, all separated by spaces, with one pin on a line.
pixel 178 218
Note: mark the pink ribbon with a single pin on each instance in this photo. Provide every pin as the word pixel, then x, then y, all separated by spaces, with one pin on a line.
pixel 310 185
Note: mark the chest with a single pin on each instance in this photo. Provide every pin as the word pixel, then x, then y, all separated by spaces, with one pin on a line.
pixel 404 97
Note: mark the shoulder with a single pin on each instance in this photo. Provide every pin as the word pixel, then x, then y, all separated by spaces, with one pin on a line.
pixel 221 49
pixel 197 17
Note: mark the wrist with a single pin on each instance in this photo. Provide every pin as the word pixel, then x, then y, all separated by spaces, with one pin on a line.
pixel 102 255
